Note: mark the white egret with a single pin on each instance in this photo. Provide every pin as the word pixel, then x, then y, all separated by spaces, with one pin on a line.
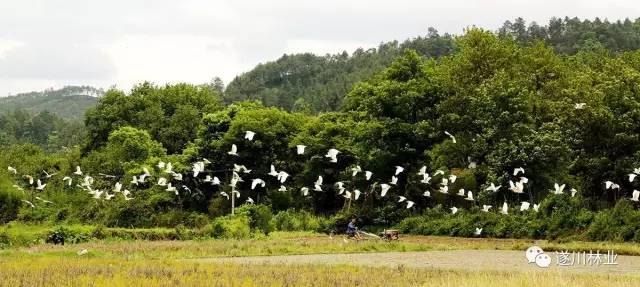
pixel 126 194
pixel 368 174
pixel 493 187
pixel 355 170
pixel 426 194
pixel 632 177
pixel 454 210
pixel 558 189
pixel 517 187
pixel 469 196
pixel 69 180
pixel 161 164
pixel 249 200
pixel 486 208
pixel 40 186
pixel 171 188
pixel 410 204
pixel 401 198
pixel 518 170
pixel 78 171
pixel 300 148
pixel 169 168
pixel 318 184
pixel 305 191
pixel 332 154
pixel 197 168
pixel 399 169
pixel 162 181
pixel 177 176
pixel 117 187
pixel 248 135
pixel 273 171
pixel 82 252
pixel 385 188
pixel 635 195
pixel 142 178
pixel 478 231
pixel 356 194
pixel 282 176
pixel 97 194
pixel 347 194
pixel 461 192
pixel 453 139
pixel 282 188
pixel 425 178
pixel 579 106
pixel 257 182
pixel 29 203
pixel 134 180
pixel 573 192
pixel 452 178
pixel 215 181
pixel 524 206
pixel 438 172
pixel 29 178
pixel 394 180
pixel 234 150
pixel 505 208
pixel 536 207
pixel 423 170
pixel 607 184
pixel 12 170
pixel 444 189
pixel 225 194
pixel 108 196
pixel 524 179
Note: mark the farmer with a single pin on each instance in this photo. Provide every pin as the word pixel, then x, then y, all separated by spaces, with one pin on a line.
pixel 352 230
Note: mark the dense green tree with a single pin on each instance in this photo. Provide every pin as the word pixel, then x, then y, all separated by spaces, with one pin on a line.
pixel 171 114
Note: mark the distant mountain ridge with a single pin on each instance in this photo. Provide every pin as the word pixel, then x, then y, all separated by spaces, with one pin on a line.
pixel 70 102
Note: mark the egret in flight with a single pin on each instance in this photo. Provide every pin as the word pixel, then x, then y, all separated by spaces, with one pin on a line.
pixel 248 135
pixel 333 154
pixel 234 150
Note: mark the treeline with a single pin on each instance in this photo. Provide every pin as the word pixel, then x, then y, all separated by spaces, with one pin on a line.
pixel 508 106
pixel 44 129
pixel 310 83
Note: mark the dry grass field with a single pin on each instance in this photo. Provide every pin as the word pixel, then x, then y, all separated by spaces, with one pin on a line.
pixel 162 263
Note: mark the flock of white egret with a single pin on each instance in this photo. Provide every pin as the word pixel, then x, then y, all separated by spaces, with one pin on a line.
pixel 166 177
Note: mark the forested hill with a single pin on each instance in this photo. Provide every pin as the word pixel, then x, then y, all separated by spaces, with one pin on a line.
pixel 70 102
pixel 318 83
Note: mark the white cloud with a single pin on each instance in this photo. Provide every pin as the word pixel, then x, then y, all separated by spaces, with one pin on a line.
pixel 121 42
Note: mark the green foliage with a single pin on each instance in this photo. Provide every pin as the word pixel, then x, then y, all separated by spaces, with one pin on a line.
pixel 9 201
pixel 171 114
pixel 231 226
pixel 259 215
pixel 292 220
pixel 306 82
pixel 69 102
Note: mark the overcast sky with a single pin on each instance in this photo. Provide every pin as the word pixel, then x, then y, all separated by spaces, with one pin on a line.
pixel 51 43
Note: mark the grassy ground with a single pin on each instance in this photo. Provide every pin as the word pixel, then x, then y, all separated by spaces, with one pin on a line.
pixel 111 272
pixel 282 243
pixel 153 263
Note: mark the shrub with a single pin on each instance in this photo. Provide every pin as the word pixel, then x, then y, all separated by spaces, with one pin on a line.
pixel 291 220
pixel 70 235
pixel 231 226
pixel 259 217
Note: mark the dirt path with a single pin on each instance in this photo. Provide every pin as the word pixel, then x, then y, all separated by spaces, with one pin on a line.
pixel 469 260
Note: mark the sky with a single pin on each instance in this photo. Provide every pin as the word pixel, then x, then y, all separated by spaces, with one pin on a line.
pixel 53 43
